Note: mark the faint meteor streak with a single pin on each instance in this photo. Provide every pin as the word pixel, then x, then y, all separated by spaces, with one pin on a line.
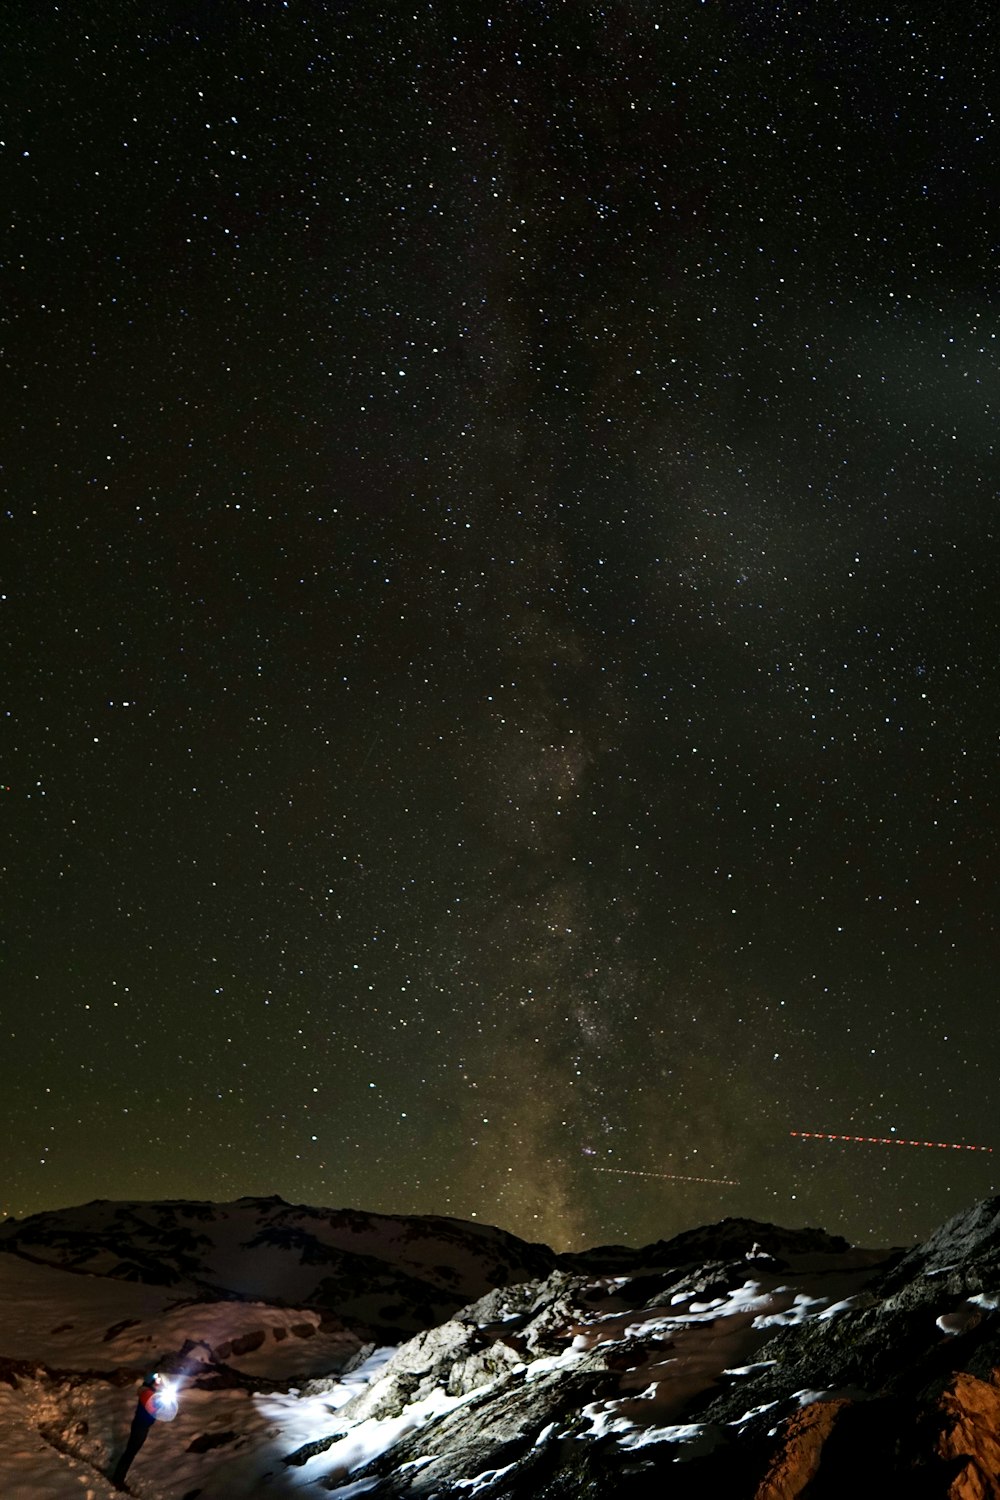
pixel 885 1140
pixel 671 1176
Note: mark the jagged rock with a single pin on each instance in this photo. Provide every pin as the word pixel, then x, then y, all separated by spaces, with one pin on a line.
pixel 945 1447
pixel 968 1442
pixel 479 1369
pixel 966 1247
pixel 797 1458
pixel 503 1303
pixel 554 1310
pixel 420 1366
pixel 502 1431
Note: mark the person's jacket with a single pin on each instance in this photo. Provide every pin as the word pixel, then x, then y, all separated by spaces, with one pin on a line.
pixel 154 1404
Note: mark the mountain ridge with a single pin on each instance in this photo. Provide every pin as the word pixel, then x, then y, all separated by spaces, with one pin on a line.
pixel 440 1357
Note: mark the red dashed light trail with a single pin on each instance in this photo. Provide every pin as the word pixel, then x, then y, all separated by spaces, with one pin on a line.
pixel 670 1176
pixel 885 1140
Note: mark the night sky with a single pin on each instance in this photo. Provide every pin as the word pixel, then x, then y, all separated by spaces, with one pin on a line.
pixel 499 610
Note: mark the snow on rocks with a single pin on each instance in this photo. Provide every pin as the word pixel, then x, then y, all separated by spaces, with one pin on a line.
pixel 579 1380
pixel 960 1320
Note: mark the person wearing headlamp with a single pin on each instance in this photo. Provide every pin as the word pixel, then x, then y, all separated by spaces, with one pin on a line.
pixel 157 1403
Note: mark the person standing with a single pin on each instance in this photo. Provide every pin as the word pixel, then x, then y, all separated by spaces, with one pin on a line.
pixel 157 1402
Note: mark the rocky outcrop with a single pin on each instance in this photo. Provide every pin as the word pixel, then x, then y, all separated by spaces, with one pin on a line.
pixel 740 1359
pixel 503 1439
pixel 966 1247
pixel 945 1446
pixel 796 1460
pixel 965 1448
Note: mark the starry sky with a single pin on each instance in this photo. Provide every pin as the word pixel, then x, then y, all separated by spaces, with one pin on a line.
pixel 499 610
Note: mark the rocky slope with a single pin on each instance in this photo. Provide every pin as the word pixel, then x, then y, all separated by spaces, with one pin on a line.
pixel 739 1359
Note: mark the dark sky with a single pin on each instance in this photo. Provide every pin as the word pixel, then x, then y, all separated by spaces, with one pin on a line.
pixel 500 602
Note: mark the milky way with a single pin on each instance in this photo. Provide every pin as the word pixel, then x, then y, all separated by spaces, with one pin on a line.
pixel 499 597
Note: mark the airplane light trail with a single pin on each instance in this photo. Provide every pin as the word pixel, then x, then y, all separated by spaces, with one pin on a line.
pixel 671 1176
pixel 885 1140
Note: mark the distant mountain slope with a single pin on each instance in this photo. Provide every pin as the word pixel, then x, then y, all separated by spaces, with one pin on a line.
pixel 392 1275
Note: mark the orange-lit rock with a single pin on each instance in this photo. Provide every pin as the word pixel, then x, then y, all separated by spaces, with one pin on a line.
pixel 797 1459
pixel 970 1413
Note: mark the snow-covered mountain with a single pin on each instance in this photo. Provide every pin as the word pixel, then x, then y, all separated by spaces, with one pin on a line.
pixel 739 1359
pixel 384 1275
